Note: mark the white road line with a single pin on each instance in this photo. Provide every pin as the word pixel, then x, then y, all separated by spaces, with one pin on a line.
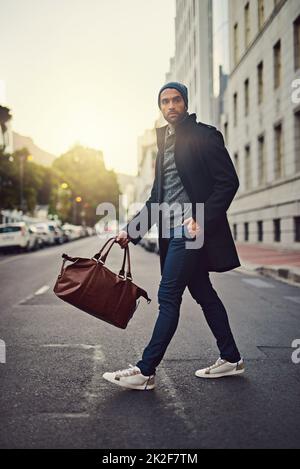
pixel 79 415
pixel 295 299
pixel 256 282
pixel 42 290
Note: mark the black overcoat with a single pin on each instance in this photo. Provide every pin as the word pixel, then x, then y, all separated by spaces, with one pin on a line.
pixel 208 175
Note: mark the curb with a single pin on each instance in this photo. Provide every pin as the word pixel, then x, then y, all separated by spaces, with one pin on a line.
pixel 284 273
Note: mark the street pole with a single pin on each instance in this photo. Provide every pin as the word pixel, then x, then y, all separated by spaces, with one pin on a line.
pixel 74 212
pixel 21 182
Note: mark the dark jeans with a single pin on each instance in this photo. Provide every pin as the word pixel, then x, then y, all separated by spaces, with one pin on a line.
pixel 183 268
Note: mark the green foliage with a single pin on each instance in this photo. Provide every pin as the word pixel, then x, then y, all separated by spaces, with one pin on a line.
pixel 83 170
pixel 79 172
pixel 35 181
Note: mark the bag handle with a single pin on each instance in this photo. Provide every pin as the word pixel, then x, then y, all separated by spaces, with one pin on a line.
pixel 65 259
pixel 126 255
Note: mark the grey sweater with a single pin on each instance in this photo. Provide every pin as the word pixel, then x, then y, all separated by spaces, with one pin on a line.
pixel 173 189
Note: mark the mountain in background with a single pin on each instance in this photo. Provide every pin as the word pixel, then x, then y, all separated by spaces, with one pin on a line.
pixel 39 156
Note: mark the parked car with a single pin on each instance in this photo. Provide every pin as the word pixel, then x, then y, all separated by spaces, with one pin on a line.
pixel 90 231
pixel 46 233
pixel 57 233
pixel 38 240
pixel 17 236
pixel 72 231
pixel 150 240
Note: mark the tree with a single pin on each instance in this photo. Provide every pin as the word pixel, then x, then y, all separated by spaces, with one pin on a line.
pixel 5 117
pixel 35 186
pixel 83 171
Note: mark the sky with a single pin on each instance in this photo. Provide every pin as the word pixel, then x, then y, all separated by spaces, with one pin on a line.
pixel 85 71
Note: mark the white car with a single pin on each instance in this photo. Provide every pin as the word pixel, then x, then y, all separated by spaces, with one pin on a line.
pixel 150 240
pixel 18 236
pixel 72 231
pixel 46 234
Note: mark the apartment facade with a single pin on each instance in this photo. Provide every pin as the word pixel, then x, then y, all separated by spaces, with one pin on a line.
pixel 261 120
pixel 193 62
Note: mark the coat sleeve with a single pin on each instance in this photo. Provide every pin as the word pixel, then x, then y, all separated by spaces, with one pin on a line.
pixel 145 211
pixel 225 180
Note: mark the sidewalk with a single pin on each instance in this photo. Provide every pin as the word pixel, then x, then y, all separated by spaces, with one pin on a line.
pixel 270 261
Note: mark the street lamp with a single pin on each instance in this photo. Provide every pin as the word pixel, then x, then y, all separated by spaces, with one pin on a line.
pixel 24 156
pixel 76 201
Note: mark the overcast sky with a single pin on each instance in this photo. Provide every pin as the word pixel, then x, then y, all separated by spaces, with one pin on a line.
pixel 85 71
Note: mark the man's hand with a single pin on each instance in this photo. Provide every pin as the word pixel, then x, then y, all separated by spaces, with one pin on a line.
pixel 123 239
pixel 193 228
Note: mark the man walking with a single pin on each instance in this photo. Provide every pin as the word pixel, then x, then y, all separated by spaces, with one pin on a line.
pixel 192 166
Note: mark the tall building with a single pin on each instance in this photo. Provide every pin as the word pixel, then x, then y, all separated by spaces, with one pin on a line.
pixel 220 56
pixel 193 54
pixel 261 122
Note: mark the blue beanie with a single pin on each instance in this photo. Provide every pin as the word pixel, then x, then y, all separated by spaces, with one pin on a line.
pixel 177 86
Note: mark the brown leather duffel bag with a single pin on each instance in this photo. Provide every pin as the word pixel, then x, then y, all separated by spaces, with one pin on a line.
pixel 90 286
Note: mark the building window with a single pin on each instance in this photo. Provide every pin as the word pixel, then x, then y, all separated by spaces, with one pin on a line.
pixel 297 43
pixel 248 172
pixel 277 231
pixel 236 162
pixel 277 64
pixel 246 231
pixel 278 163
pixel 246 88
pixel 261 160
pixel 297 141
pixel 247 25
pixel 260 233
pixel 235 103
pixel 236 43
pixel 297 229
pixel 226 131
pixel 235 231
pixel 260 82
pixel 261 13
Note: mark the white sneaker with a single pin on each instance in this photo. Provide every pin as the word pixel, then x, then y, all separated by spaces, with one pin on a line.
pixel 221 368
pixel 131 378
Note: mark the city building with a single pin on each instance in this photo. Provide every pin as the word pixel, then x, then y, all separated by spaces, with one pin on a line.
pixel 193 63
pixel 261 120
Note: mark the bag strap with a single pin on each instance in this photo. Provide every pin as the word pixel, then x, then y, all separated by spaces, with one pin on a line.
pixel 126 256
pixel 65 259
pixel 98 255
pixel 122 271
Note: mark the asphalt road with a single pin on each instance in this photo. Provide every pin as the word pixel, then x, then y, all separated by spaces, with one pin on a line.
pixel 53 394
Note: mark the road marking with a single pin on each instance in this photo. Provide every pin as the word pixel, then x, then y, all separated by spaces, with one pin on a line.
pixel 84 346
pixel 79 415
pixel 94 388
pixel 256 282
pixel 295 299
pixel 42 290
